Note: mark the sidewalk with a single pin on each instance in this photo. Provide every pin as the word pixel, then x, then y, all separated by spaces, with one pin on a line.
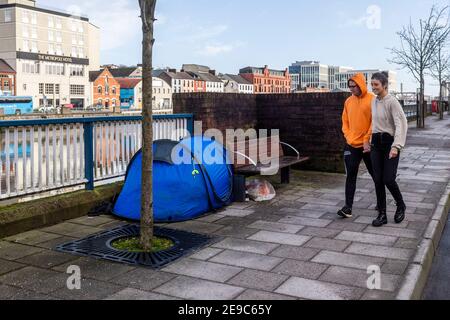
pixel 294 247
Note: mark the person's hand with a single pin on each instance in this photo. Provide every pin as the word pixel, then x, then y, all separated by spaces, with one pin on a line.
pixel 394 153
pixel 367 147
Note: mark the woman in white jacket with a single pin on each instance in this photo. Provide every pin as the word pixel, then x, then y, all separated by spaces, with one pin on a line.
pixel 389 131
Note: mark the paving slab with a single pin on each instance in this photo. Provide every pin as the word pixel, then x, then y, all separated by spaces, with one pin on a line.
pixel 246 245
pixel 254 279
pixel 318 290
pixel 247 260
pixel 196 289
pixel 137 295
pixel 203 270
pixel 280 238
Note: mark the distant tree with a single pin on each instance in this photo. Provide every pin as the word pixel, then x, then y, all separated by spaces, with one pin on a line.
pixel 148 18
pixel 439 71
pixel 418 47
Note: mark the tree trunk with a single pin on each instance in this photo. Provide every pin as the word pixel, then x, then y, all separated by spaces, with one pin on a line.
pixel 148 18
pixel 441 99
pixel 422 107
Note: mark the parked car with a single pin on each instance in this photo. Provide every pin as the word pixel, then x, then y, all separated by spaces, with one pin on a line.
pixel 49 109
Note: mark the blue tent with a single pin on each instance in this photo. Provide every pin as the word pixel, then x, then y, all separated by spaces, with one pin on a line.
pixel 182 190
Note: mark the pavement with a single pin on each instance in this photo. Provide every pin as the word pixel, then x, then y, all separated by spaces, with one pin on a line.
pixel 293 247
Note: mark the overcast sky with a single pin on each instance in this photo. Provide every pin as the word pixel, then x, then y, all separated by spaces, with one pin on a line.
pixel 228 35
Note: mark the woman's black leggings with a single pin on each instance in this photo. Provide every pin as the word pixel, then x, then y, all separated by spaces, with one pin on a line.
pixel 385 169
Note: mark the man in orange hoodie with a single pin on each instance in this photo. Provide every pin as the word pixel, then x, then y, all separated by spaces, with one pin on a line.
pixel 357 128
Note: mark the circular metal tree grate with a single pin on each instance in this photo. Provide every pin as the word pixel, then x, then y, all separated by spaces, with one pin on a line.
pixel 99 246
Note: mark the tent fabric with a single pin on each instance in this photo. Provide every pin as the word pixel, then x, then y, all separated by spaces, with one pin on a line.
pixel 183 191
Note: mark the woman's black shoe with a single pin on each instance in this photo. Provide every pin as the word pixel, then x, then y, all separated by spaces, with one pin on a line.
pixel 400 214
pixel 345 213
pixel 381 220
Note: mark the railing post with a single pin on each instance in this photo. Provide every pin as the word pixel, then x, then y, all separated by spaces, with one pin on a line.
pixel 190 125
pixel 89 154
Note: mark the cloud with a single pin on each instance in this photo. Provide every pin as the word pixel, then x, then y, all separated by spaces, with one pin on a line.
pixel 203 33
pixel 214 50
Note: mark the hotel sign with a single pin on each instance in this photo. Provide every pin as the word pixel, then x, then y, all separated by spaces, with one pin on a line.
pixel 51 58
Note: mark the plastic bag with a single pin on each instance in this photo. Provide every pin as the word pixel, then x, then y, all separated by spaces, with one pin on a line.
pixel 260 190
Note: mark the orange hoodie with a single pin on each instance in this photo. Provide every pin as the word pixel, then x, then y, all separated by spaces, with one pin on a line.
pixel 357 117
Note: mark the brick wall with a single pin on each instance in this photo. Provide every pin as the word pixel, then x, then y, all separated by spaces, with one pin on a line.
pixel 310 122
pixel 218 110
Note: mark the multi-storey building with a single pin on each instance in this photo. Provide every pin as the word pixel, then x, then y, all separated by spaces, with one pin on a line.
pixel 130 93
pixel 237 84
pixel 7 79
pixel 105 90
pixel 162 97
pixel 343 77
pixel 179 81
pixel 51 51
pixel 266 80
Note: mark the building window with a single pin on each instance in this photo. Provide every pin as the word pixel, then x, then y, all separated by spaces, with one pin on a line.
pixel 76 89
pixel 77 71
pixel 30 67
pixel 41 88
pixel 58 36
pixel 58 23
pixel 25 32
pixel 51 48
pixel 51 35
pixel 34 33
pixel 56 88
pixel 33 18
pixel 51 22
pixel 49 88
pixel 74 51
pixel 54 69
pixel 113 90
pixel 99 90
pixel 25 18
pixel 100 102
pixel 8 15
pixel 113 102
pixel 80 52
pixel 59 50
pixel 74 40
pixel 34 47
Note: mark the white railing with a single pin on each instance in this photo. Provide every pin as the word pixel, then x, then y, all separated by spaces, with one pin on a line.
pixel 42 155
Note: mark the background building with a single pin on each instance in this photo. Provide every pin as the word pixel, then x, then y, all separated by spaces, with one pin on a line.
pixel 237 84
pixel 162 97
pixel 7 79
pixel 266 80
pixel 178 81
pixel 205 78
pixel 309 75
pixel 105 89
pixel 51 51
pixel 343 77
pixel 130 93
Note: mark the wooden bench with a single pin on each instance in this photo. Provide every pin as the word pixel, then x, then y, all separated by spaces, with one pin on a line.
pixel 255 157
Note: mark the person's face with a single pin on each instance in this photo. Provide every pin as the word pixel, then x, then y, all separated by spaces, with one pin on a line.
pixel 377 87
pixel 354 89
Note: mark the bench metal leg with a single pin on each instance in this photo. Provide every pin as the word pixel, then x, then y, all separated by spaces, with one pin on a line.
pixel 239 193
pixel 285 175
